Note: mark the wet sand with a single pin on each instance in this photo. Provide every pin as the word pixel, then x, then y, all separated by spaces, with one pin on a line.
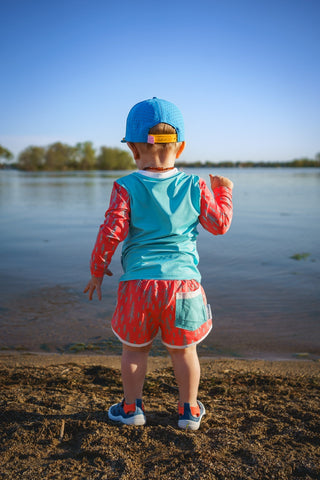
pixel 262 421
pixel 60 319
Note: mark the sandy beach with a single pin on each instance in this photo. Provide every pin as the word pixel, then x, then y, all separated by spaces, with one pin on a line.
pixel 263 420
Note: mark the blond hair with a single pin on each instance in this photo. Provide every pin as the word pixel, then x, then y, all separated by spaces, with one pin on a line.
pixel 160 129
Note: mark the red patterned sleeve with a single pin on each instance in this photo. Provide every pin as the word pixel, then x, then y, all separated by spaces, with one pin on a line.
pixel 113 231
pixel 216 210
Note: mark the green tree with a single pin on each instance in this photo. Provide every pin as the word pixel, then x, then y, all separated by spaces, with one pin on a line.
pixel 85 156
pixel 301 162
pixel 5 154
pixel 32 159
pixel 124 161
pixel 60 156
pixel 104 159
pixel 114 159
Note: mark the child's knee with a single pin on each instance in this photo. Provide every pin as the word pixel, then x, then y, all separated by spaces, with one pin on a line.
pixel 144 349
pixel 182 352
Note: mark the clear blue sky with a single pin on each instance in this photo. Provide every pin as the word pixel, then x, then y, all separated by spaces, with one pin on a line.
pixel 245 73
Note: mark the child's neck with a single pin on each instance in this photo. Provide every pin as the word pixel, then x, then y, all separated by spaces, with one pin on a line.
pixel 155 163
pixel 158 169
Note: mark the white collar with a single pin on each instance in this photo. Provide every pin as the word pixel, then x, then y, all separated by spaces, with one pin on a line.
pixel 167 174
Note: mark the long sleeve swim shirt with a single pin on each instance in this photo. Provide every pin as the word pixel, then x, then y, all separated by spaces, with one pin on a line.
pixel 156 217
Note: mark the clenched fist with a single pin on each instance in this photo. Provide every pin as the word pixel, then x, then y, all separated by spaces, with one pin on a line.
pixel 218 181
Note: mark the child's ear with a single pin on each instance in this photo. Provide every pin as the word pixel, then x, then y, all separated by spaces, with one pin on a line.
pixel 181 148
pixel 134 150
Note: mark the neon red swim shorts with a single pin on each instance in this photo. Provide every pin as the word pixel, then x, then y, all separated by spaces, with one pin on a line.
pixel 178 307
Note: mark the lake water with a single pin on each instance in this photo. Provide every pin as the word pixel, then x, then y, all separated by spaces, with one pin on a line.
pixel 266 304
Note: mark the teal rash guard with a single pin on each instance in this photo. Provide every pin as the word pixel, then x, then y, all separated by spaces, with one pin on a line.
pixel 156 217
pixel 164 215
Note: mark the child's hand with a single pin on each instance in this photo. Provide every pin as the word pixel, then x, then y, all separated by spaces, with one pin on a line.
pixel 218 181
pixel 95 284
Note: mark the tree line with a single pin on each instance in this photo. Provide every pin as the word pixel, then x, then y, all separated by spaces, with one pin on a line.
pixel 83 156
pixel 296 163
pixel 62 157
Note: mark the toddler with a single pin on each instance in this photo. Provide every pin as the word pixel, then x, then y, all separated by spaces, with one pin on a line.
pixel 155 212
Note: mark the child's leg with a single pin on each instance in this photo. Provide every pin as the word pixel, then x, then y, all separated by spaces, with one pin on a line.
pixel 133 370
pixel 186 367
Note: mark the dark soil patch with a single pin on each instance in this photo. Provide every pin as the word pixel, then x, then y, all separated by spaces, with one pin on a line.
pixel 259 425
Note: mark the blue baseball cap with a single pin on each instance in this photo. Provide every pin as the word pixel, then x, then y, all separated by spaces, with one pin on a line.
pixel 147 114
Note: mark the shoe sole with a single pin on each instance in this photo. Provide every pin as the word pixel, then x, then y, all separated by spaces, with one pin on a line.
pixel 192 424
pixel 136 420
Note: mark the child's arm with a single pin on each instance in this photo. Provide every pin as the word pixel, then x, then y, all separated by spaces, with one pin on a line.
pixel 216 210
pixel 113 231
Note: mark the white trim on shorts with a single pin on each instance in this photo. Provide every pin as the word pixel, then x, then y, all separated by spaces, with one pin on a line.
pixel 181 347
pixel 190 344
pixel 131 344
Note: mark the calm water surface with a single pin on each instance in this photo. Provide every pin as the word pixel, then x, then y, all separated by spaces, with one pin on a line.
pixel 265 302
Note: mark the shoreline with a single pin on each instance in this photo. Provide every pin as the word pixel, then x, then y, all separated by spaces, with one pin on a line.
pixel 293 366
pixel 205 351
pixel 58 319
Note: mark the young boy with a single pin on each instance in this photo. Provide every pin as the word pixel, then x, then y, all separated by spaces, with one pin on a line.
pixel 155 212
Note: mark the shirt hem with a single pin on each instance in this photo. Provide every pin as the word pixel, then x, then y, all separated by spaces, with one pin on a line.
pixel 125 278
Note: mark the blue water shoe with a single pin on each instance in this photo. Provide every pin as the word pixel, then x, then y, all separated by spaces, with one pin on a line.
pixel 190 417
pixel 128 414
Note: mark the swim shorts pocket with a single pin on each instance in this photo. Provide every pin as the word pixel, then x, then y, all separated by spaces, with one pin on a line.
pixel 191 312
